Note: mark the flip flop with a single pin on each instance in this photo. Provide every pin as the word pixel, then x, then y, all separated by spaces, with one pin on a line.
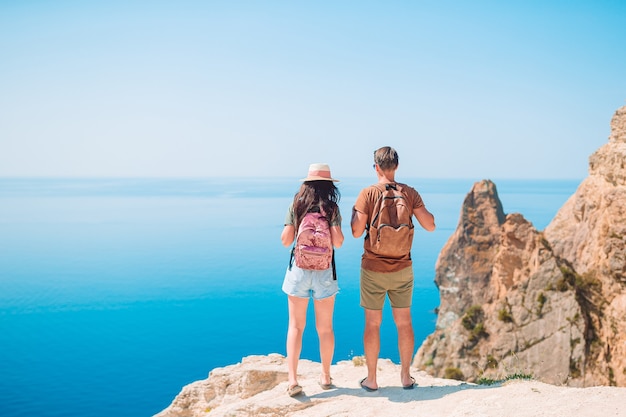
pixel 294 390
pixel 326 386
pixel 365 387
pixel 411 385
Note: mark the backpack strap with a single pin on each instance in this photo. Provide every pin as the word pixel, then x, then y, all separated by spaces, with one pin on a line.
pixel 376 206
pixel 292 255
pixel 379 201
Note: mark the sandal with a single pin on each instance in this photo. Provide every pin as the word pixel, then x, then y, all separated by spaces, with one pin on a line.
pixel 411 385
pixel 294 390
pixel 326 386
pixel 365 387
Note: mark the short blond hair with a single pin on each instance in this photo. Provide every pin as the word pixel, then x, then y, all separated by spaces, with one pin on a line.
pixel 386 158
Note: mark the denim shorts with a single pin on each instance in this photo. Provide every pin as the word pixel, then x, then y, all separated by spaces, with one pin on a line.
pixel 305 283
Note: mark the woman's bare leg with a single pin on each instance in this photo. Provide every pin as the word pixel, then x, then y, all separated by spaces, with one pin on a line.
pixel 324 325
pixel 297 322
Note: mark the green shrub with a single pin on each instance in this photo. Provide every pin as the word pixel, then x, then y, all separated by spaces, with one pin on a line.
pixel 505 315
pixel 569 276
pixel 541 299
pixel 473 322
pixel 486 381
pixel 545 243
pixel 561 285
pixel 574 370
pixel 491 362
pixel 518 375
pixel 358 360
pixel 612 378
pixel 454 373
pixel 477 332
pixel 472 316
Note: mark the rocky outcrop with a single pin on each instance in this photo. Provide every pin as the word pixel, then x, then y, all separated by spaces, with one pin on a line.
pixel 589 231
pixel 257 387
pixel 506 306
pixel 590 228
pixel 227 385
pixel 551 304
pixel 514 301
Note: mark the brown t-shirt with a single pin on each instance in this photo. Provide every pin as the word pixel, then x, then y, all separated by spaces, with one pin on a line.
pixel 365 203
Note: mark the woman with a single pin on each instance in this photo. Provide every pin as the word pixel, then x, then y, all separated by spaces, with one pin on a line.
pixel 318 194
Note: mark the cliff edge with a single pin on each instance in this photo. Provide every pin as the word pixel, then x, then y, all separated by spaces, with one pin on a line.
pixel 515 301
pixel 257 387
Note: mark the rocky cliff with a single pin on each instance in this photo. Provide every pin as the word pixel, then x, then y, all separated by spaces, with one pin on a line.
pixel 590 233
pixel 552 303
pixel 257 387
pixel 514 301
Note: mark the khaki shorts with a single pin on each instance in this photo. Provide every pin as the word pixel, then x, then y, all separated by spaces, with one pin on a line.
pixel 375 286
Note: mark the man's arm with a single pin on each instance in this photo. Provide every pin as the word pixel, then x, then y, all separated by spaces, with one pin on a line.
pixel 425 218
pixel 358 222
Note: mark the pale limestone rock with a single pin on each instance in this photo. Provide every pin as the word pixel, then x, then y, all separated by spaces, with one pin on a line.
pixel 433 397
pixel 552 304
pixel 253 375
pixel 469 266
pixel 589 231
pixel 501 268
pixel 257 387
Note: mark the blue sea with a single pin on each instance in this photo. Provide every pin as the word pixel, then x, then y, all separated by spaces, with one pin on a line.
pixel 115 293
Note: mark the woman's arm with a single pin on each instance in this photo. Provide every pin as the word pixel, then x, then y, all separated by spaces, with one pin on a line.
pixel 288 235
pixel 336 236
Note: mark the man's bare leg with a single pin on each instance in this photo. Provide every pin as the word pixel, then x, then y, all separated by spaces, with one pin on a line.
pixel 406 342
pixel 371 344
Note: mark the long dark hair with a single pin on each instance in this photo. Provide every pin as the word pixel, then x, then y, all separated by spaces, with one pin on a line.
pixel 313 194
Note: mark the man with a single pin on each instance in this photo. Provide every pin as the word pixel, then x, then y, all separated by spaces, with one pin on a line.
pixel 385 275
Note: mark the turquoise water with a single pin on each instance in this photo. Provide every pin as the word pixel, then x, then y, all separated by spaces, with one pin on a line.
pixel 115 293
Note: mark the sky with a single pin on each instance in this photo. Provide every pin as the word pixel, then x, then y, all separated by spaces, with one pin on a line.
pixel 481 89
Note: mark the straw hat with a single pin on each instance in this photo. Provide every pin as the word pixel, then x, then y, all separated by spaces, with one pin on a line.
pixel 319 172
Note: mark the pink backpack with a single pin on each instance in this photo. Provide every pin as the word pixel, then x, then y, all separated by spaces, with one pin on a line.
pixel 313 247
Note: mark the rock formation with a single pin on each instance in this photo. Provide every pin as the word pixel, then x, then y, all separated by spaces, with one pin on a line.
pixel 590 233
pixel 257 387
pixel 514 302
pixel 551 304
